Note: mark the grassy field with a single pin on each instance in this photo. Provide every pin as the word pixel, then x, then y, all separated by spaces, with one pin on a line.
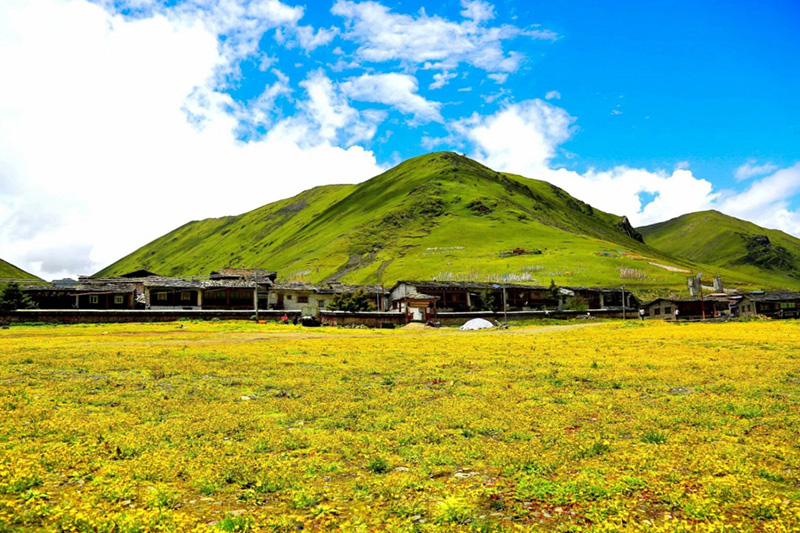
pixel 243 427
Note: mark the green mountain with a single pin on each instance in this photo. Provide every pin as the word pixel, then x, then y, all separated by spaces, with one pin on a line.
pixel 11 272
pixel 724 241
pixel 440 216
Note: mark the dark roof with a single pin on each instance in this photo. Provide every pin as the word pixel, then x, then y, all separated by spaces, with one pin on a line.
pixel 139 274
pixel 172 283
pixel 466 285
pixel 331 288
pixel 772 296
pixel 258 274
pixel 595 289
pixel 226 284
pixel 419 296
pixel 84 288
pixel 689 300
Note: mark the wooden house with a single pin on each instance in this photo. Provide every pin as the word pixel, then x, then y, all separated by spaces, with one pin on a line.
pixel 262 280
pixel 52 296
pixel 82 296
pixel 463 296
pixel 689 308
pixel 600 298
pixel 310 298
pixel 229 294
pixel 173 293
pixel 774 304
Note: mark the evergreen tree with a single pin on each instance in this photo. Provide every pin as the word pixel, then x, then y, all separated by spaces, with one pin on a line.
pixel 13 298
pixel 351 302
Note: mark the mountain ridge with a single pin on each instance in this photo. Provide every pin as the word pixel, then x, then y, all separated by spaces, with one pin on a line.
pixel 439 215
pixel 728 242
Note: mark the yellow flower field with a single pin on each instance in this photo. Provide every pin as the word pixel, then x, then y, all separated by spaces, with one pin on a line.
pixel 244 427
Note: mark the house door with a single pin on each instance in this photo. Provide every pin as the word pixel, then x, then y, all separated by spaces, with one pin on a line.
pixel 280 301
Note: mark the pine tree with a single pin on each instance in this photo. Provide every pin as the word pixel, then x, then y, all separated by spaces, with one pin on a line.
pixel 351 302
pixel 13 298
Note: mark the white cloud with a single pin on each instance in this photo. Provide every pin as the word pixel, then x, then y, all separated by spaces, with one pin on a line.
pixel 552 95
pixel 396 90
pixel 524 138
pixel 116 134
pixel 440 43
pixel 440 79
pixel 766 201
pixel 524 135
pixel 751 169
pixel 477 10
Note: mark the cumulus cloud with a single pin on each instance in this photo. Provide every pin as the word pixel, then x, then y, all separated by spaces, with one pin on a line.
pixel 433 41
pixel 552 95
pixel 118 133
pixel 477 10
pixel 767 201
pixel 525 137
pixel 751 169
pixel 396 90
pixel 440 79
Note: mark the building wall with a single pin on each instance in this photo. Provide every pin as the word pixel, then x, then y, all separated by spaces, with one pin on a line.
pixel 173 297
pixel 238 298
pixel 105 301
pixel 308 303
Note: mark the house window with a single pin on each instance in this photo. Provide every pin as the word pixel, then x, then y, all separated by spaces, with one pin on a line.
pixel 288 296
pixel 186 296
pixel 161 296
pixel 302 299
pixel 667 310
pixel 321 304
pixel 94 299
pixel 118 299
pixel 656 311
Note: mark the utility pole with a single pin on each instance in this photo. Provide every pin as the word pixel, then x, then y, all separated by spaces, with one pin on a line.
pixel 700 287
pixel 255 295
pixel 505 307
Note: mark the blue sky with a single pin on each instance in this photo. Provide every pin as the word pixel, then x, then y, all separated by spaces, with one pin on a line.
pixel 644 109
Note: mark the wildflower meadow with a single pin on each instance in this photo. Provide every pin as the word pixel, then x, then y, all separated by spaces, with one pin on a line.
pixel 242 427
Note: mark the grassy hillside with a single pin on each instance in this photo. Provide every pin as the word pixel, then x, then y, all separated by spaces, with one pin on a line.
pixel 440 216
pixel 724 241
pixel 9 271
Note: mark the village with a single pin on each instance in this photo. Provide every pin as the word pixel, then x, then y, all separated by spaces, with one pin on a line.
pixel 237 293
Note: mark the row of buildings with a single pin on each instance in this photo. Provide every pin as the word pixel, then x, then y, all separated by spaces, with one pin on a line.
pixel 253 289
pixel 772 304
pixel 242 289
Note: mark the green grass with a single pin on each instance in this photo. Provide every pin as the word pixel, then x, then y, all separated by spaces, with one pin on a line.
pixel 439 216
pixel 7 270
pixel 722 241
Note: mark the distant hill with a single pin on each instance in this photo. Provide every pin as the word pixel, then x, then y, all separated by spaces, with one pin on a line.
pixel 440 215
pixel 724 241
pixel 9 271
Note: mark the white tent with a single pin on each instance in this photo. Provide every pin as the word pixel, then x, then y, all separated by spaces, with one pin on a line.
pixel 476 323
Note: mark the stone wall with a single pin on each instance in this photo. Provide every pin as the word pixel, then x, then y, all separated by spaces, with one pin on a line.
pixel 82 316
